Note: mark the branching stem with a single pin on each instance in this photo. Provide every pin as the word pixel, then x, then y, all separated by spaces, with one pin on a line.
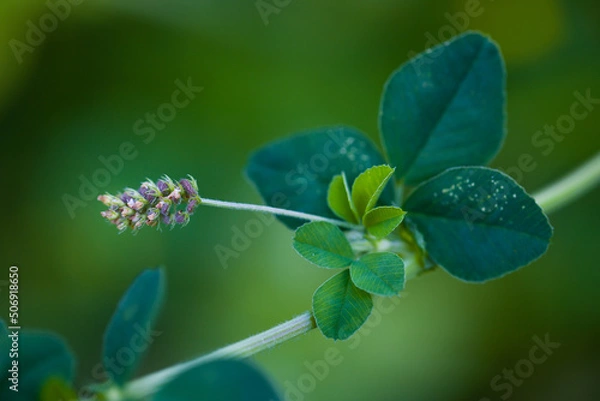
pixel 146 386
pixel 550 199
pixel 571 186
pixel 276 211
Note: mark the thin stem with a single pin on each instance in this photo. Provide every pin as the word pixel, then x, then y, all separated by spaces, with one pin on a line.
pixel 550 199
pixel 570 187
pixel 299 325
pixel 277 211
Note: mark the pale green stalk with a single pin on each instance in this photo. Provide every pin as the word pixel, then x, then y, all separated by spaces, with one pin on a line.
pixel 550 199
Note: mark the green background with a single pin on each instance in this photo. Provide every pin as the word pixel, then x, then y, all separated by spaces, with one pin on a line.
pixel 78 95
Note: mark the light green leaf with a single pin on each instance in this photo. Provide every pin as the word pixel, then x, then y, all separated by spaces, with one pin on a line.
pixel 368 187
pixel 340 200
pixel 379 273
pixel 323 244
pixel 56 389
pixel 383 220
pixel 340 308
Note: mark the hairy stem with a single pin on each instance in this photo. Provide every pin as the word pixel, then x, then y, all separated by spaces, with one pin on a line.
pixel 571 186
pixel 299 325
pixel 550 199
pixel 276 211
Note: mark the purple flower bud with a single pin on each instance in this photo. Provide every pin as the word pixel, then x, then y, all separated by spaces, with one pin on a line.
pixel 163 187
pixel 122 226
pixel 191 206
pixel 164 206
pixel 111 201
pixel 147 193
pixel 139 224
pixel 188 187
pixel 110 214
pixel 175 196
pixel 138 205
pixel 152 214
pixel 182 218
pixel 125 211
pixel 125 198
pixel 152 203
pixel 106 199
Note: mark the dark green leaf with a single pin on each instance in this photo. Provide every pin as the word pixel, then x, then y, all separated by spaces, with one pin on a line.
pixel 294 173
pixel 383 220
pixel 340 200
pixel 42 356
pixel 380 273
pixel 323 244
pixel 445 108
pixel 127 335
pixel 477 223
pixel 340 308
pixel 225 380
pixel 368 186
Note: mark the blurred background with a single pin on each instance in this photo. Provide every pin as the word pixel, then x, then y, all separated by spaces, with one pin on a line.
pixel 71 97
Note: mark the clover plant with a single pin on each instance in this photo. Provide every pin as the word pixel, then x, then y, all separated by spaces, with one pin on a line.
pixel 46 364
pixel 375 218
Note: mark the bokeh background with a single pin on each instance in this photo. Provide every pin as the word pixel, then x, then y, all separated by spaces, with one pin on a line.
pixel 77 96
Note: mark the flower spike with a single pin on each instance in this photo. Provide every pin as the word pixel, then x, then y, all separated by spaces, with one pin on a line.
pixel 165 202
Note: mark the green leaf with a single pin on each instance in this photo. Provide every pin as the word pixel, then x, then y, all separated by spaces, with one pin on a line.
pixel 42 356
pixel 323 244
pixel 56 389
pixel 478 223
pixel 224 380
pixel 380 273
pixel 127 335
pixel 340 200
pixel 383 220
pixel 294 173
pixel 368 186
pixel 340 308
pixel 445 108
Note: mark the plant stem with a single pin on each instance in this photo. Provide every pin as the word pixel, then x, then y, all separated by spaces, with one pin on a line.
pixel 299 325
pixel 550 199
pixel 570 187
pixel 277 211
